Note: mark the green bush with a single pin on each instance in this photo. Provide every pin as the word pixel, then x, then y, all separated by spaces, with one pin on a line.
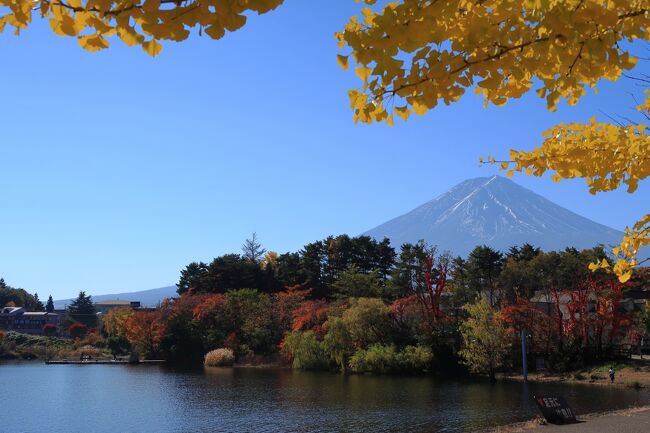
pixel 386 359
pixel 375 359
pixel 338 342
pixel 305 350
pixel 17 345
pixel 415 358
pixel 118 345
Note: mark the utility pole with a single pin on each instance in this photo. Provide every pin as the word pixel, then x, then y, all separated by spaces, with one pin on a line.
pixel 524 360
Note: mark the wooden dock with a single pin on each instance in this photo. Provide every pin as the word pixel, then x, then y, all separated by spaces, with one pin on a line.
pixel 105 362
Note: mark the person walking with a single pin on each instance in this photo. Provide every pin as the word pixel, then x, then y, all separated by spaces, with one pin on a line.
pixel 612 373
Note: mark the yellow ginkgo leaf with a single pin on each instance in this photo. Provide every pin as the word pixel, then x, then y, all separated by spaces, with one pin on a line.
pixel 403 112
pixel 419 108
pixel 94 42
pixel 64 26
pixel 363 72
pixel 129 36
pixel 342 61
pixel 623 278
pixel 234 22
pixel 152 47
pixel 215 31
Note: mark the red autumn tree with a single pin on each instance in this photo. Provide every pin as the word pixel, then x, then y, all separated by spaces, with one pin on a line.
pixel 78 330
pixel 435 278
pixel 522 315
pixel 285 304
pixel 406 312
pixel 310 315
pixel 206 308
pixel 588 317
pixel 231 342
pixel 596 314
pixel 49 329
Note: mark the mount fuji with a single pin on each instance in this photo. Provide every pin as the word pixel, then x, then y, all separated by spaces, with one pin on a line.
pixel 497 212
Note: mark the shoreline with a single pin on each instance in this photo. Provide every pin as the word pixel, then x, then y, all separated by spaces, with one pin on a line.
pixel 639 382
pixel 633 419
pixel 633 373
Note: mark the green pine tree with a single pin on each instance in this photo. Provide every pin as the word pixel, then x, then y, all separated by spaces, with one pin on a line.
pixel 83 311
pixel 49 307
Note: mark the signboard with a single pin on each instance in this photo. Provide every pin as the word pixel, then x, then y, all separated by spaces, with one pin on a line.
pixel 555 409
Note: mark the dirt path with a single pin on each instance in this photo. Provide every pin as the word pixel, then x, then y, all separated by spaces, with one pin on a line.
pixel 636 420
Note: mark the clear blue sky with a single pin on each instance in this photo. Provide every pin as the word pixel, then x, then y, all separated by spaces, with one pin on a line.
pixel 118 169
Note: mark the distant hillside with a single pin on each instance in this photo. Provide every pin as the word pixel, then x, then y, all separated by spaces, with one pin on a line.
pixel 148 298
pixel 497 212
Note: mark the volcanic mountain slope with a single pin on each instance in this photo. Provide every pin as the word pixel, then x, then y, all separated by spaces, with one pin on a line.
pixel 496 212
pixel 148 298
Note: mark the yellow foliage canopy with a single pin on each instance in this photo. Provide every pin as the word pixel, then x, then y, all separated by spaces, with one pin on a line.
pixel 418 53
pixel 135 22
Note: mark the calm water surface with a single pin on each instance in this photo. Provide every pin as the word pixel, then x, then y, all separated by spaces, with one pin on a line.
pixel 35 397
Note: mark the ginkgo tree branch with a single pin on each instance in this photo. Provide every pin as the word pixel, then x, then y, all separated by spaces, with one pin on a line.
pixel 467 64
pixel 135 22
pixel 438 66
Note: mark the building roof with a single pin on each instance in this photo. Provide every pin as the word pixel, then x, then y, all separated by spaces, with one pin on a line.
pixel 19 311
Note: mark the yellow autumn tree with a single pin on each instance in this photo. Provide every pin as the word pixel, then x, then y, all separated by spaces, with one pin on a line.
pixel 412 55
pixel 135 22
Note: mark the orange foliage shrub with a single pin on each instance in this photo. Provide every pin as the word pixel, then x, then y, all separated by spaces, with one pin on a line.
pixel 208 306
pixel 406 310
pixel 310 315
pixel 145 330
pixel 286 303
pixel 231 342
pixel 78 330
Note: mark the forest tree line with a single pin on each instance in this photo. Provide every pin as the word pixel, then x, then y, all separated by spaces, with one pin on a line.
pixel 355 304
pixel 361 266
pixel 17 297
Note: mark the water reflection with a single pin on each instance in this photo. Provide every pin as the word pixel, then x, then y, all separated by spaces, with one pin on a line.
pixel 161 399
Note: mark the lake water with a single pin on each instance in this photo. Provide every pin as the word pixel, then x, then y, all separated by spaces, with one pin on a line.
pixel 35 397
